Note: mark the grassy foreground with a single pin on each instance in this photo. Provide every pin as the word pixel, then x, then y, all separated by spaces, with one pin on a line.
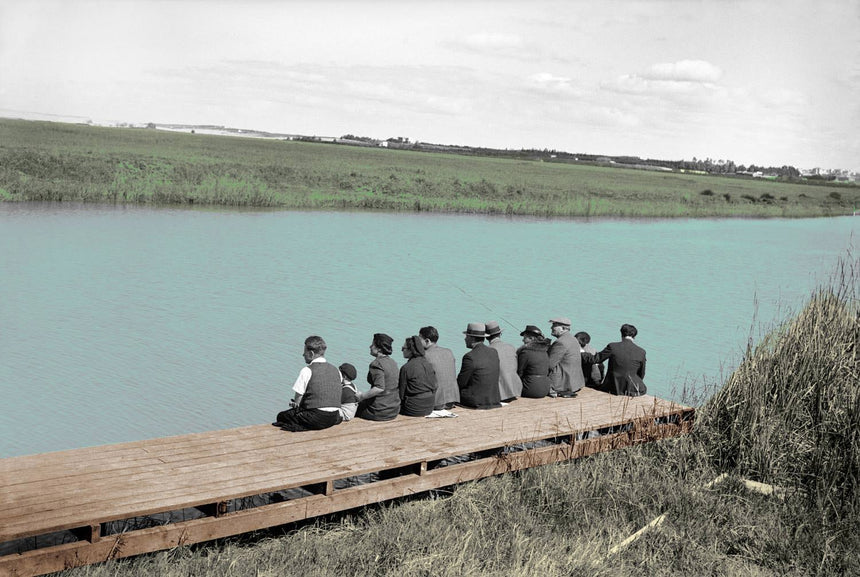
pixel 790 416
pixel 69 162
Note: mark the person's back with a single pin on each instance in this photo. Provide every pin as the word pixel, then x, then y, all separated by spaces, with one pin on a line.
pixel 593 372
pixel 382 401
pixel 510 384
pixel 386 405
pixel 479 372
pixel 533 363
pixel 565 360
pixel 626 370
pixel 445 367
pixel 417 387
pixel 349 392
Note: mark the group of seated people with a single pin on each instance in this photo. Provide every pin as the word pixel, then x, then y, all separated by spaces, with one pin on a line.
pixel 490 374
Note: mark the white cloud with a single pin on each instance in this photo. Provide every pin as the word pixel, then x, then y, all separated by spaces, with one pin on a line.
pixel 547 82
pixel 696 71
pixel 493 41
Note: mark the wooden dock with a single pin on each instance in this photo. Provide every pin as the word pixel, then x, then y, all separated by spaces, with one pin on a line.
pixel 83 506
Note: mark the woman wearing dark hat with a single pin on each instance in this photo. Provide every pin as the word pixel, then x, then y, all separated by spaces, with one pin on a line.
pixel 533 363
pixel 382 401
pixel 417 380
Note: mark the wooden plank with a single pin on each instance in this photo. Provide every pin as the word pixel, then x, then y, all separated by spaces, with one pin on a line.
pixel 255 464
pixel 164 537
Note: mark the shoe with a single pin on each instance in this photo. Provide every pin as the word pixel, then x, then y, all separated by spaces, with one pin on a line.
pixel 567 395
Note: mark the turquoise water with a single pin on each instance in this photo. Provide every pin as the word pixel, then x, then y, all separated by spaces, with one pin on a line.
pixel 124 323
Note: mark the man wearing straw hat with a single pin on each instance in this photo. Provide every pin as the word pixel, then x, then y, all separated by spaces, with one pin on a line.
pixel 565 360
pixel 479 372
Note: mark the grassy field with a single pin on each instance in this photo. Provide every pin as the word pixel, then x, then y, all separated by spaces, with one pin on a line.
pixel 789 416
pixel 68 162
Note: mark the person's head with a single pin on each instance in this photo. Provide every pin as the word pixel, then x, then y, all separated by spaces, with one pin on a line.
pixel 493 330
pixel 413 347
pixel 628 331
pixel 475 333
pixel 381 344
pixel 430 335
pixel 532 333
pixel 560 325
pixel 348 372
pixel 314 348
pixel 583 337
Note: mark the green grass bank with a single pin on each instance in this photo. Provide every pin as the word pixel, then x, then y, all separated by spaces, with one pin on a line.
pixel 47 161
pixel 788 416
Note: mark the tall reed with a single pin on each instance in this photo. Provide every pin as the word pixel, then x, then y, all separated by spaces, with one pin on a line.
pixel 790 413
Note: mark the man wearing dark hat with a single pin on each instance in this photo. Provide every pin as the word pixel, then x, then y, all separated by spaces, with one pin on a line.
pixel 510 385
pixel 565 360
pixel 626 364
pixel 479 372
pixel 316 404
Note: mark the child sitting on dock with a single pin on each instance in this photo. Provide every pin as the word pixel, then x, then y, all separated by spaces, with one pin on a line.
pixel 348 394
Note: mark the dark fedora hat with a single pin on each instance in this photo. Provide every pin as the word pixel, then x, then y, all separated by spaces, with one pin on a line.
pixel 476 330
pixel 531 330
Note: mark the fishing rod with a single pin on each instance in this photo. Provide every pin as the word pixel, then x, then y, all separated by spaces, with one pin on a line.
pixel 472 297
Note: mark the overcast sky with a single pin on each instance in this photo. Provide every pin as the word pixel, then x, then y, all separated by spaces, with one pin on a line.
pixel 768 82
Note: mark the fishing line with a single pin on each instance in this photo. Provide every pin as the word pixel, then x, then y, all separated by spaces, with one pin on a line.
pixel 513 326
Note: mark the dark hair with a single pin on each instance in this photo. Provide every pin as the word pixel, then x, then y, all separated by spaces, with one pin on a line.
pixel 315 344
pixel 382 342
pixel 583 337
pixel 415 346
pixel 628 331
pixel 430 333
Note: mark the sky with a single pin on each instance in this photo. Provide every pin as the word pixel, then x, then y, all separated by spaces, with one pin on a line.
pixel 765 82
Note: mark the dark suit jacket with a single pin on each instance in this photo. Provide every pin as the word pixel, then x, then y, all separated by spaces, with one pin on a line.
pixel 479 378
pixel 626 368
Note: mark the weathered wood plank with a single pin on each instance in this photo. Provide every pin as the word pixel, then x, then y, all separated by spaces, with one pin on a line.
pixel 53 491
pixel 146 540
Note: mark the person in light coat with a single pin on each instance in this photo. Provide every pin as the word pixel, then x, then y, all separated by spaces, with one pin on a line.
pixel 510 385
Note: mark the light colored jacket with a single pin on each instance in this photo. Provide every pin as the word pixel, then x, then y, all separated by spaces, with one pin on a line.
pixel 510 384
pixel 565 364
pixel 445 366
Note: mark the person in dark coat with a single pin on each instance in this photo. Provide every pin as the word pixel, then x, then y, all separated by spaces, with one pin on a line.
pixel 479 372
pixel 417 380
pixel 533 363
pixel 593 372
pixel 626 365
pixel 382 401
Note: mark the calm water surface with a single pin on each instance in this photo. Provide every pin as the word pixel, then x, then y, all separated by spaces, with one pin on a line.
pixel 124 323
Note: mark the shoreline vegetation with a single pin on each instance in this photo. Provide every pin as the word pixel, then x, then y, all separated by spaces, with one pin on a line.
pixel 789 417
pixel 46 161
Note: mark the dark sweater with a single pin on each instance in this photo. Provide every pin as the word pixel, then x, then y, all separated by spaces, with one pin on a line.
pixel 417 387
pixel 533 369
